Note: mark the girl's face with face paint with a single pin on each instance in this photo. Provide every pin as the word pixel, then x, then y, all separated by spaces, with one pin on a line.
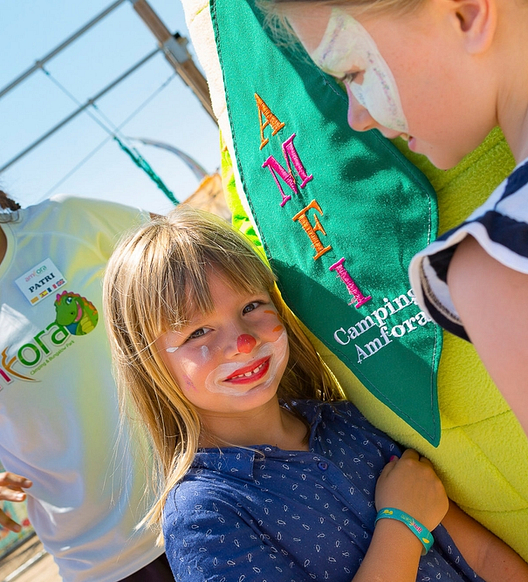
pixel 405 75
pixel 232 359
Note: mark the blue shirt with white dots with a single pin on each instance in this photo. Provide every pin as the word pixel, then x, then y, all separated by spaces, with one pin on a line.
pixel 268 515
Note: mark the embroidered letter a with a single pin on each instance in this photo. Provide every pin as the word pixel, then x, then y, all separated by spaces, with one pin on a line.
pixel 271 119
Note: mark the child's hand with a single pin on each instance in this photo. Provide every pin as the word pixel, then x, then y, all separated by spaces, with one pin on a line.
pixel 11 489
pixel 411 485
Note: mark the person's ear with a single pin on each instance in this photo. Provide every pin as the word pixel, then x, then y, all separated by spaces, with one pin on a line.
pixel 476 21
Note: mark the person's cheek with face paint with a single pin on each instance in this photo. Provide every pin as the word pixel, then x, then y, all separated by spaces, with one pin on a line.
pixel 268 363
pixel 270 356
pixel 358 117
pixel 188 363
pixel 279 326
pixel 349 53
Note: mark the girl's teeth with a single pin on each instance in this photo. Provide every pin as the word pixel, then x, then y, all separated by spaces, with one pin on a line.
pixel 247 374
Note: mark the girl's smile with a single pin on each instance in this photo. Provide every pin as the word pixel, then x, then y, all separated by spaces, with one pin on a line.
pixel 249 373
pixel 260 373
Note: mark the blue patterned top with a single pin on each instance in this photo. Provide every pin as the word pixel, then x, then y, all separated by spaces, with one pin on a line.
pixel 281 516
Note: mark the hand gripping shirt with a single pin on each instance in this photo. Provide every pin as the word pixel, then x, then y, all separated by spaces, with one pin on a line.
pixel 500 226
pixel 265 514
pixel 59 420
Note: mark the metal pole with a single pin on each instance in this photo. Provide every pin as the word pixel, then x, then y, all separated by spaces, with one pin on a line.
pixel 175 52
pixel 40 63
pixel 197 169
pixel 79 110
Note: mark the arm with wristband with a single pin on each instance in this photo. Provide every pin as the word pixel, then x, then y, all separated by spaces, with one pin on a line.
pixel 411 503
pixel 408 490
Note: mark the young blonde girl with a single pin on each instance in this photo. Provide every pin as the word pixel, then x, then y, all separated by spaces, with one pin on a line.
pixel 261 477
pixel 442 74
pixel 152 280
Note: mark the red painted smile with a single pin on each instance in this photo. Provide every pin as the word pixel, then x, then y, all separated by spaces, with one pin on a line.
pixel 250 373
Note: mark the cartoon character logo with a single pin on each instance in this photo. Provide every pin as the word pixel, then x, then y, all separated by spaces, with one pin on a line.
pixel 78 315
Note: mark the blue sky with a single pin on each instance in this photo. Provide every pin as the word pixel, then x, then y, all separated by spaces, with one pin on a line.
pixel 30 30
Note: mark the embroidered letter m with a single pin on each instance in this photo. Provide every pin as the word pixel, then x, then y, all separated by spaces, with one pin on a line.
pixel 277 171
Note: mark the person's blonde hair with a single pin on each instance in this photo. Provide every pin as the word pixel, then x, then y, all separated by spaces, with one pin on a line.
pixel 276 11
pixel 151 280
pixel 396 6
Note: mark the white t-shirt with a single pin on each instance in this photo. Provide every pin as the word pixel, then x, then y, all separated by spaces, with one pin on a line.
pixel 59 421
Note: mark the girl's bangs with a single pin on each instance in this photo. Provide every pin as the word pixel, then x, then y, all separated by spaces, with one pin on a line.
pixel 187 288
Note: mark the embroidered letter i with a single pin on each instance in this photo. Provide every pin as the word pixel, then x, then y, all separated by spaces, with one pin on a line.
pixel 353 289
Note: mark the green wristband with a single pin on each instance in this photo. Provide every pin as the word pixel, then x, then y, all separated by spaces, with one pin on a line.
pixel 419 530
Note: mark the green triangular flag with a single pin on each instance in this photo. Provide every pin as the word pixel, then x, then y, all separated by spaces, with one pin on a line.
pixel 343 273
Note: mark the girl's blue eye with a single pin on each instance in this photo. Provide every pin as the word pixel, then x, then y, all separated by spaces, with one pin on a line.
pixel 197 333
pixel 250 307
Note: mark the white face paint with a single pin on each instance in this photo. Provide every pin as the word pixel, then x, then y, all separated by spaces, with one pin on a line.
pixel 347 48
pixel 216 380
pixel 231 358
pixel 204 351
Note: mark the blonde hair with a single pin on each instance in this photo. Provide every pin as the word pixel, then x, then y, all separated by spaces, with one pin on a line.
pixel 153 276
pixel 398 6
pixel 276 11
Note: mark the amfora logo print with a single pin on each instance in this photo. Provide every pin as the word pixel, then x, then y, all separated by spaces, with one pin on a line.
pixel 75 316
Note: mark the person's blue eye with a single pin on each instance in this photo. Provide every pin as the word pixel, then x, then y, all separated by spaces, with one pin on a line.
pixel 198 333
pixel 250 307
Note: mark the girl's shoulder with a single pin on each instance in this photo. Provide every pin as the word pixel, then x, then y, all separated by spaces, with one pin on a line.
pixel 500 226
pixel 204 490
pixel 342 418
pixel 316 410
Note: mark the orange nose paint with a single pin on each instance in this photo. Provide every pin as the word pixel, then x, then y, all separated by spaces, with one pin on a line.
pixel 245 343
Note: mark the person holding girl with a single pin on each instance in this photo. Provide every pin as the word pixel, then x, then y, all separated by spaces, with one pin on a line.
pixel 264 473
pixel 441 74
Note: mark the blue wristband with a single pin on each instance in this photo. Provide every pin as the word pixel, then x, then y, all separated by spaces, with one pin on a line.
pixel 419 530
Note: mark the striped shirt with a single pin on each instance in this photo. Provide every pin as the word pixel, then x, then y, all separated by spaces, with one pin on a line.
pixel 500 226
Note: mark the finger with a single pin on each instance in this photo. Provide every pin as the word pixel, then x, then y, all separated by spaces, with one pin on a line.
pixel 12 494
pixel 426 461
pixel 8 523
pixel 389 467
pixel 12 479
pixel 411 454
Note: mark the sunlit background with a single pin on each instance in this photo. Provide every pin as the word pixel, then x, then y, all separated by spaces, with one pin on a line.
pixel 82 158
